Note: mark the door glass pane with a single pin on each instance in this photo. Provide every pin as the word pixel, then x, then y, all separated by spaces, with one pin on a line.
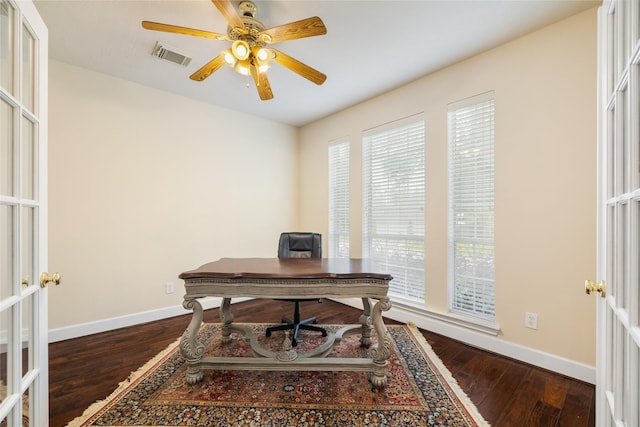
pixel 634 143
pixel 635 25
pixel 27 271
pixel 611 251
pixel 6 46
pixel 621 257
pixel 636 357
pixel 623 140
pixel 609 349
pixel 634 271
pixel 28 69
pixel 631 386
pixel 633 128
pixel 618 369
pixel 27 403
pixel 27 334
pixel 610 145
pixel 621 16
pixel 6 149
pixel 28 159
pixel 617 128
pixel 6 251
pixel 4 332
pixel 611 59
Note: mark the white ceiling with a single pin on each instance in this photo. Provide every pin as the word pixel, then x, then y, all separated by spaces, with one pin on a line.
pixel 370 46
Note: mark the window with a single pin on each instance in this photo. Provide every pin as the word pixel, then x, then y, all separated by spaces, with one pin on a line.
pixel 393 204
pixel 339 224
pixel 471 206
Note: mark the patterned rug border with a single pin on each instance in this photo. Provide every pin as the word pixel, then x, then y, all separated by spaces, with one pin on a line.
pixel 445 374
pixel 431 357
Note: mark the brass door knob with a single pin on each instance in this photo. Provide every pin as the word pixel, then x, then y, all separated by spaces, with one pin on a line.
pixel 590 287
pixel 46 278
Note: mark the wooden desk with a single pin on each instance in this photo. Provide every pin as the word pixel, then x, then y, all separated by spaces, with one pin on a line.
pixel 288 278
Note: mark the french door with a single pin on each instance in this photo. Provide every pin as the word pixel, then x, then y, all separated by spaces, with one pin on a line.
pixel 618 307
pixel 23 216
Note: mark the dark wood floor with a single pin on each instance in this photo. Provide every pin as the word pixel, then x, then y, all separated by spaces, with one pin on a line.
pixel 507 393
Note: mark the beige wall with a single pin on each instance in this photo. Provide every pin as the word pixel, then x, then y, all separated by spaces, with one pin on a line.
pixel 144 184
pixel 545 182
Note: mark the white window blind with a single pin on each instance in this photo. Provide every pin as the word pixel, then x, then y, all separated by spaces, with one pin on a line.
pixel 471 206
pixel 393 204
pixel 339 221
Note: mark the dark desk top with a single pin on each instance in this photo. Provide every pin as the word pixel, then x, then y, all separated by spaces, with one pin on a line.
pixel 288 268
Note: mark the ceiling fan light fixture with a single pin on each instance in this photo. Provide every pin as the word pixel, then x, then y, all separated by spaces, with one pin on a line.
pixel 262 58
pixel 243 67
pixel 229 58
pixel 261 53
pixel 240 49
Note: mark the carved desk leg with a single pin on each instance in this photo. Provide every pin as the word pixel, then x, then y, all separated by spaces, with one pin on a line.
pixel 365 321
pixel 226 318
pixel 381 351
pixel 190 347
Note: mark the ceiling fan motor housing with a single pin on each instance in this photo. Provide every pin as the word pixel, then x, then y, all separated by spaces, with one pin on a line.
pixel 253 26
pixel 248 8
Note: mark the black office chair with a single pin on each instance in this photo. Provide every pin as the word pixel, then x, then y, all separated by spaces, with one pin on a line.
pixel 299 245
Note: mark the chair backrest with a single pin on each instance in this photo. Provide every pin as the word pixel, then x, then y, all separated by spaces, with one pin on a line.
pixel 300 245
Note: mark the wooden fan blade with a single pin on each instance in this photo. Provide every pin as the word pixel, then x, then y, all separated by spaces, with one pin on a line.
pixel 156 26
pixel 294 30
pixel 208 69
pixel 262 83
pixel 229 12
pixel 298 67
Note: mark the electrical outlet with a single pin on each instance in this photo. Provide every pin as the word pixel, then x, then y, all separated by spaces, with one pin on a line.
pixel 169 288
pixel 531 320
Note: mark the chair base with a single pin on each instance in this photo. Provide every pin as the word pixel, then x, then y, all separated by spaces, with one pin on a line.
pixel 296 327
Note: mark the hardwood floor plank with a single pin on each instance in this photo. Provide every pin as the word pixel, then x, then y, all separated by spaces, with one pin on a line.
pixel 555 390
pixel 501 393
pixel 507 393
pixel 578 405
pixel 480 376
pixel 524 400
pixel 543 414
pixel 460 360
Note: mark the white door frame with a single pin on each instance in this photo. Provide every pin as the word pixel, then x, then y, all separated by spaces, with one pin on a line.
pixel 23 302
pixel 618 304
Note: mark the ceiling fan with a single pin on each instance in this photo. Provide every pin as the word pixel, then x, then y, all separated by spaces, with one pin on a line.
pixel 250 52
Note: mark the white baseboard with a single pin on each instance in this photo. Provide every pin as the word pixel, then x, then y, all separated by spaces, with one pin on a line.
pixel 490 343
pixel 471 337
pixel 83 329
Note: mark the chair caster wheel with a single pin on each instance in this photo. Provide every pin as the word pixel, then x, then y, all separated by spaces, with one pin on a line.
pixel 268 333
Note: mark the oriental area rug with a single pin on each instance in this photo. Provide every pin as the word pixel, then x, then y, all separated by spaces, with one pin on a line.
pixel 420 391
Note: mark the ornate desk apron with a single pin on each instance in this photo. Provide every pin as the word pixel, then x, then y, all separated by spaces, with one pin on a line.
pixel 288 279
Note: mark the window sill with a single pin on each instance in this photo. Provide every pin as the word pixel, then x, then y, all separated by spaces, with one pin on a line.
pixel 467 322
pixel 404 310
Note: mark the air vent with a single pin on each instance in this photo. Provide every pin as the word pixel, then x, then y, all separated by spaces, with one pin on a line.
pixel 170 54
